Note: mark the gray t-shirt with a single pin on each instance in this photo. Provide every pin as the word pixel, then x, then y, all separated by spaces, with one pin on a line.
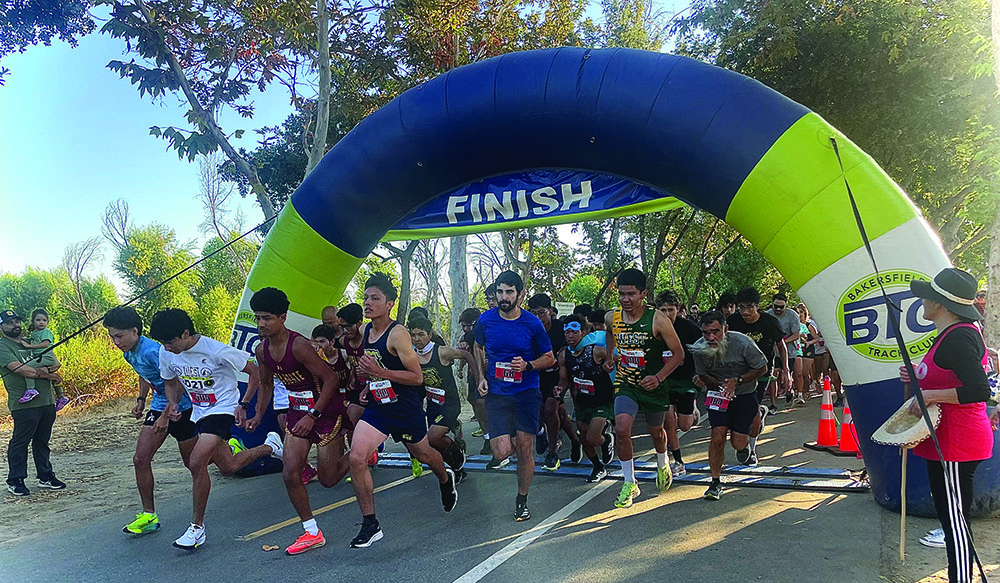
pixel 741 356
pixel 789 320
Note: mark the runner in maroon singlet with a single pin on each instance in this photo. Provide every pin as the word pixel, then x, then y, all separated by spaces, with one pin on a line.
pixel 316 410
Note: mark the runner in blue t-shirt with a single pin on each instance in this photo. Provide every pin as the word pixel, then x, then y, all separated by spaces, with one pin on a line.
pixel 125 329
pixel 514 345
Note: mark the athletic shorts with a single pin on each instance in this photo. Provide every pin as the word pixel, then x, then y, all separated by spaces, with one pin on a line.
pixel 587 414
pixel 325 430
pixel 353 398
pixel 833 365
pixel 762 384
pixel 809 351
pixel 473 394
pixel 281 411
pixel 444 415
pixel 739 416
pixel 791 363
pixel 655 401
pixel 220 424
pixel 549 393
pixel 508 414
pixel 411 428
pixel 182 430
pixel 683 393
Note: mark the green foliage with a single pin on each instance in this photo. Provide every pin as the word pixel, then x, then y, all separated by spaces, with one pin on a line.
pixel 53 291
pixel 582 289
pixel 153 254
pixel 24 23
pixel 216 312
pixel 227 268
pixel 553 264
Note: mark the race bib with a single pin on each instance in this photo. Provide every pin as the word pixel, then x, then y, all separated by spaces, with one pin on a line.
pixel 505 372
pixel 716 402
pixel 435 395
pixel 201 390
pixel 666 355
pixel 633 358
pixel 382 390
pixel 584 386
pixel 301 400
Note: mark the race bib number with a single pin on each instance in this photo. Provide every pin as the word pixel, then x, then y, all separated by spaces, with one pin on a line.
pixel 382 390
pixel 716 402
pixel 633 358
pixel 301 400
pixel 666 355
pixel 505 372
pixel 201 390
pixel 435 395
pixel 584 386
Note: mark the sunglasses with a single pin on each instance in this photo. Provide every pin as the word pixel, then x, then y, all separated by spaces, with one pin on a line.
pixel 980 295
pixel 575 326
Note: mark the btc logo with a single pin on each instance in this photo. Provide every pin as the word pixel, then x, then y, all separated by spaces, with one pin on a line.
pixel 864 319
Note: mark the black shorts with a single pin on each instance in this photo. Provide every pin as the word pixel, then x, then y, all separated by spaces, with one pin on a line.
pixel 739 416
pixel 791 363
pixel 281 411
pixel 762 384
pixel 182 430
pixel 220 424
pixel 549 393
pixel 683 402
pixel 354 398
pixel 809 351
pixel 445 415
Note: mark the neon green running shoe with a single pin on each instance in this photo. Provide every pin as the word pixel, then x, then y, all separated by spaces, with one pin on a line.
pixel 236 446
pixel 418 470
pixel 664 479
pixel 628 492
pixel 145 522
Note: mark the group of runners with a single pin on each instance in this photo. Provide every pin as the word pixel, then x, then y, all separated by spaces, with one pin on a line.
pixel 352 385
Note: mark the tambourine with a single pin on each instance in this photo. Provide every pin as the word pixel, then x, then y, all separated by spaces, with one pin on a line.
pixel 904 429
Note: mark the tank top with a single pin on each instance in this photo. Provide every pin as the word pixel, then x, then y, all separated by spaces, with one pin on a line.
pixel 439 381
pixel 964 432
pixel 820 347
pixel 353 356
pixel 303 387
pixel 592 383
pixel 340 369
pixel 640 352
pixel 389 396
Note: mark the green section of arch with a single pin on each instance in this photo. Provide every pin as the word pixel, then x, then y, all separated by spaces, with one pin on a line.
pixel 312 272
pixel 814 225
pixel 663 204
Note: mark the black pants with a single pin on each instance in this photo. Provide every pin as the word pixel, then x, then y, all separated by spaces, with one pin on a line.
pixel 952 510
pixel 32 426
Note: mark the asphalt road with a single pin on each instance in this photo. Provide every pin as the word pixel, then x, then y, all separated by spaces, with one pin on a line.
pixel 575 533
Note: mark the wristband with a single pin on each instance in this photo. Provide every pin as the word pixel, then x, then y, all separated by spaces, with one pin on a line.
pixel 245 405
pixel 528 366
pixel 314 413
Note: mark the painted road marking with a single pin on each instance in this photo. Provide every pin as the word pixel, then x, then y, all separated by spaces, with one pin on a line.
pixel 345 501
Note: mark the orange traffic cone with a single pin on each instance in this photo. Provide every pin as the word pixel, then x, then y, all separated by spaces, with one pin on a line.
pixel 847 440
pixel 827 434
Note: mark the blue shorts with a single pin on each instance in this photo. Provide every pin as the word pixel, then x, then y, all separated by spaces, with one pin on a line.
pixel 508 414
pixel 405 429
pixel 445 415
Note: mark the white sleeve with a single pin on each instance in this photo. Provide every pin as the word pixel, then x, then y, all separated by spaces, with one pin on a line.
pixel 166 372
pixel 234 357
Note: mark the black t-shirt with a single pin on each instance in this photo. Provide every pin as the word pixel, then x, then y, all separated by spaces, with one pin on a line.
pixel 688 332
pixel 765 332
pixel 961 350
pixel 549 378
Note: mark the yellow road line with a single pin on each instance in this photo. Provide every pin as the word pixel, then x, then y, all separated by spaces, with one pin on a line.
pixel 291 521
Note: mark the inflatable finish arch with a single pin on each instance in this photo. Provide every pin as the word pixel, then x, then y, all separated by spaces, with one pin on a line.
pixel 567 135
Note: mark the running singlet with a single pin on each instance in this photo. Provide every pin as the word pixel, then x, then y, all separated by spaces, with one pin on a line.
pixel 340 369
pixel 303 388
pixel 591 381
pixel 388 396
pixel 549 377
pixel 439 381
pixel 640 352
pixel 353 356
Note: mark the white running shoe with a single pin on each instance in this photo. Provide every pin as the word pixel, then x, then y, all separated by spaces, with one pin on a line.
pixel 192 538
pixel 933 539
pixel 677 469
pixel 274 440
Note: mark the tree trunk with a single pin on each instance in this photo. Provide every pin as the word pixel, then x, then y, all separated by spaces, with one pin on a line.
pixel 458 275
pixel 992 327
pixel 323 99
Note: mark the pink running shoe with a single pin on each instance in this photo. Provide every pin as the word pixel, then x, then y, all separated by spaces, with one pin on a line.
pixel 28 395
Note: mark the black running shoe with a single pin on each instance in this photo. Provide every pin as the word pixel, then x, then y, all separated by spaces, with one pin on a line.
pixel 369 533
pixel 460 476
pixel 551 462
pixel 576 453
pixel 449 495
pixel 542 442
pixel 597 475
pixel 495 464
pixel 521 512
pixel 486 449
pixel 51 483
pixel 18 488
pixel 743 455
pixel 458 455
pixel 714 491
pixel 608 448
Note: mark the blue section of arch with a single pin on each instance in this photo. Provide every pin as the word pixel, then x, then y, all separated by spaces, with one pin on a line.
pixel 675 124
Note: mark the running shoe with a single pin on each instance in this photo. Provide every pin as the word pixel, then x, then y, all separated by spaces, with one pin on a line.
pixel 743 455
pixel 418 470
pixel 460 476
pixel 753 461
pixel 800 401
pixel 306 542
pixel 449 494
pixel 18 488
pixel 192 538
pixel 51 483
pixel 458 455
pixel 309 473
pixel 521 512
pixel 714 491
pixel 772 409
pixel 608 448
pixel 235 445
pixel 144 523
pixel 628 492
pixel 551 462
pixel 486 449
pixel 477 433
pixel 60 403
pixel 28 395
pixel 788 397
pixel 369 534
pixel 597 475
pixel 495 464
pixel 542 442
pixel 576 452
pixel 933 539
pixel 373 460
pixel 677 469
pixel 839 402
pixel 274 440
pixel 664 479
